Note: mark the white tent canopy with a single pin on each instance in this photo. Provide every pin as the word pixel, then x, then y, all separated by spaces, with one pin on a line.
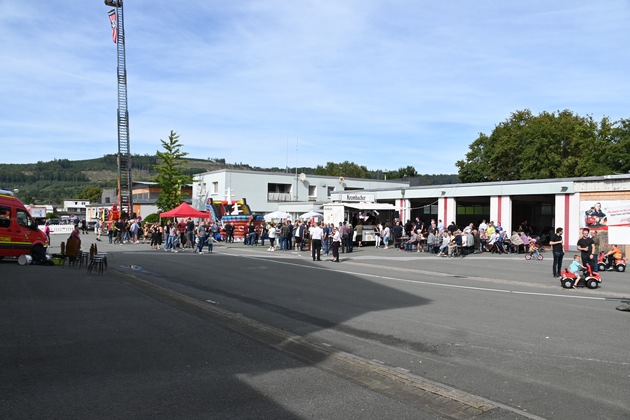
pixel 276 215
pixel 311 215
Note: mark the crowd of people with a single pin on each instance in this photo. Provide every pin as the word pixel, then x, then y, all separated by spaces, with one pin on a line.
pixel 172 237
pixel 452 239
pixel 327 238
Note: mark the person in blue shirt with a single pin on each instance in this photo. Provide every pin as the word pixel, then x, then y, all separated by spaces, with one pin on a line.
pixel 575 268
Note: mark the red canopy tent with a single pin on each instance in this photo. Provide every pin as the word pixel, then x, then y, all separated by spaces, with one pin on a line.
pixel 185 210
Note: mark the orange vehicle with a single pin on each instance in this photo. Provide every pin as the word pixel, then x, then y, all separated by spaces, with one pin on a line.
pixel 19 234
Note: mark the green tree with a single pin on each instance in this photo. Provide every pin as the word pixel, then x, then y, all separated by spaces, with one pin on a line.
pixel 549 145
pixel 345 169
pixel 91 193
pixel 408 172
pixel 171 177
pixel 617 136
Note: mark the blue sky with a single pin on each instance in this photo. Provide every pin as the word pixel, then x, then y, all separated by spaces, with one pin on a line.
pixel 385 84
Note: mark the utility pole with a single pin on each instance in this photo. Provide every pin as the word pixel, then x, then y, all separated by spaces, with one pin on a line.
pixel 125 199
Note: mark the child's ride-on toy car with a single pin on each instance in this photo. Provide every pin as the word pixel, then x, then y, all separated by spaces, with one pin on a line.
pixel 590 280
pixel 618 265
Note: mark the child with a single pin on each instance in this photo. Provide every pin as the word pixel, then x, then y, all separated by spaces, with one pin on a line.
pixel 576 268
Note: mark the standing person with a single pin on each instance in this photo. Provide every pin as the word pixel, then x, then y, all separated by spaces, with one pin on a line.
pixel 47 232
pixel 209 239
pixel 98 229
pixel 557 246
pixel 316 234
pixel 229 232
pixel 300 236
pixel 336 242
pixel 271 233
pixel 586 245
pixel 343 233
pixel 325 238
pixel 596 242
pixel 250 238
pixel 279 229
pixel 190 233
pixel 119 227
pixel 359 232
pixel 398 233
pixel 385 233
pixel 350 240
pixel 134 232
pixel 287 231
pixel 201 238
pixel 377 235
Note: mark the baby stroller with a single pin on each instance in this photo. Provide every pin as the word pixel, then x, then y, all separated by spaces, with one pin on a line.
pixel 533 251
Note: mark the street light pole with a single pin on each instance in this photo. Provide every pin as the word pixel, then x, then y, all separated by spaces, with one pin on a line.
pixel 125 197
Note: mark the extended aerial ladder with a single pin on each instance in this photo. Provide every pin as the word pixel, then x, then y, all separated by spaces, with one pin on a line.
pixel 125 198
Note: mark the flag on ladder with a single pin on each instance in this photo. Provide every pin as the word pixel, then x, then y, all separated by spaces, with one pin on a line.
pixel 114 23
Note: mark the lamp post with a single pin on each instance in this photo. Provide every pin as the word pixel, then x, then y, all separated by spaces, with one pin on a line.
pixel 116 18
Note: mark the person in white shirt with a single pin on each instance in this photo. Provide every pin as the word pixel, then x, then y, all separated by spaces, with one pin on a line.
pixel 336 242
pixel 377 234
pixel 271 233
pixel 385 236
pixel 316 233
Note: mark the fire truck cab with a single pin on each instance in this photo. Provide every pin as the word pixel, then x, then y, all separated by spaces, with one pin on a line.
pixel 19 234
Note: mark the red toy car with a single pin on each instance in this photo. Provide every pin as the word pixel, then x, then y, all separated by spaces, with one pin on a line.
pixel 618 265
pixel 590 280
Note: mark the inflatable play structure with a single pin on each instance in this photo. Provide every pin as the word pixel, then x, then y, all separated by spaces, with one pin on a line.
pixel 235 212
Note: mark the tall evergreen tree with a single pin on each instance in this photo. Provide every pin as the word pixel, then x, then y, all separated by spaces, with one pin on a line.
pixel 171 177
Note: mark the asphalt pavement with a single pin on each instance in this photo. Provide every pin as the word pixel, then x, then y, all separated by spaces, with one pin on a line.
pixel 116 345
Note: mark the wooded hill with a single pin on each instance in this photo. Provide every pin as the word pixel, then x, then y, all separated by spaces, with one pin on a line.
pixel 62 179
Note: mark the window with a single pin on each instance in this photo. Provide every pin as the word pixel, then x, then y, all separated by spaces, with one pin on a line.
pixel 215 188
pixel 5 216
pixel 473 209
pixel 329 190
pixel 24 219
pixel 279 192
pixel 429 209
pixel 312 192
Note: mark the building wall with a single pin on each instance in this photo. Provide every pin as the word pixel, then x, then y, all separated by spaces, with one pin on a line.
pixel 567 196
pixel 253 186
pixel 612 188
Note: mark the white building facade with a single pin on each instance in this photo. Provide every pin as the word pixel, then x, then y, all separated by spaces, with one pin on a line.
pixel 266 192
pixel 545 204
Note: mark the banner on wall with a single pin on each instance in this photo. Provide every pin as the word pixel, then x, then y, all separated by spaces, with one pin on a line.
pixel 599 215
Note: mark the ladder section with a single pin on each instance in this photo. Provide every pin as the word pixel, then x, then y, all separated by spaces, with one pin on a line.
pixel 124 150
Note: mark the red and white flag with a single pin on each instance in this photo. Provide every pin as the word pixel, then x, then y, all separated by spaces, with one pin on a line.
pixel 113 20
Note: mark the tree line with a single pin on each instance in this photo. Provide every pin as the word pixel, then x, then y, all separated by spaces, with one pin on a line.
pixel 548 145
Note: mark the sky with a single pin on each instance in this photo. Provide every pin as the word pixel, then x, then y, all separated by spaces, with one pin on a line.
pixel 382 83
